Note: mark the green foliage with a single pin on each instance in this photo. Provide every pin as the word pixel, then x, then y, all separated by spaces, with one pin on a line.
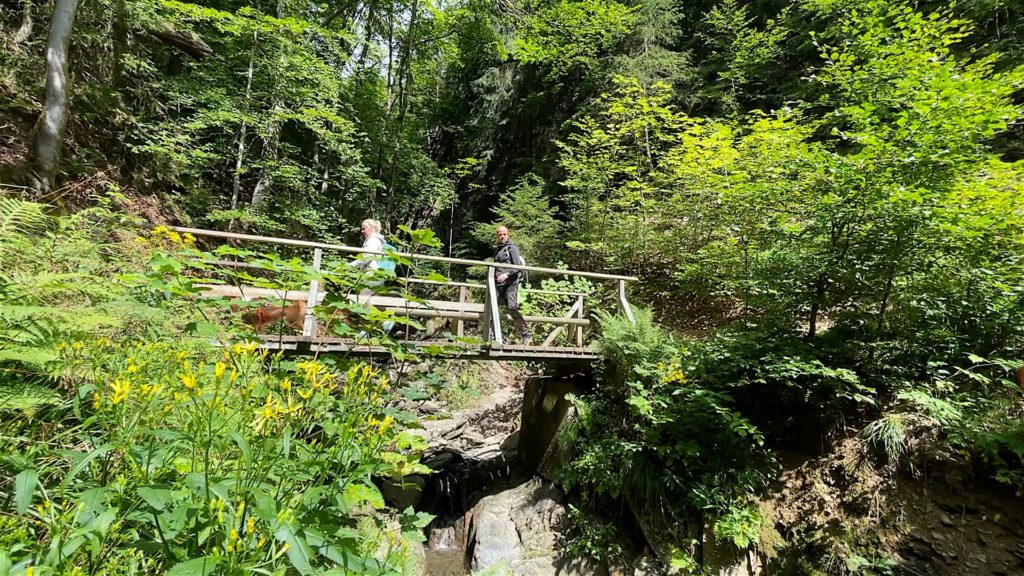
pixel 529 216
pixel 55 287
pixel 591 537
pixel 740 52
pixel 658 423
pixel 978 408
pixel 567 38
pixel 190 455
pixel 161 453
pixel 740 526
pixel 890 433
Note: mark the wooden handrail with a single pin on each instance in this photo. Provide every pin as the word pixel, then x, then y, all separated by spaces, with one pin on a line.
pixel 425 257
pixel 233 264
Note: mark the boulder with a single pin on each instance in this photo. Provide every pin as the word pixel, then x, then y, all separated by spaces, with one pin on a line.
pixel 520 528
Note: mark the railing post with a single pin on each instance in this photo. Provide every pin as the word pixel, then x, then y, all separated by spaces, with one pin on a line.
pixel 460 326
pixel 491 319
pixel 625 303
pixel 309 325
pixel 579 314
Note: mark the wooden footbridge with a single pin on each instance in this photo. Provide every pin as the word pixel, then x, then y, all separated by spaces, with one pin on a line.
pixel 475 317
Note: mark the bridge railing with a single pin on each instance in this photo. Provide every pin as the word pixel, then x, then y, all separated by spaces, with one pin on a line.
pixel 489 315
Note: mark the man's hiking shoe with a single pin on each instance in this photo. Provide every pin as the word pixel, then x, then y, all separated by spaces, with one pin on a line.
pixel 526 340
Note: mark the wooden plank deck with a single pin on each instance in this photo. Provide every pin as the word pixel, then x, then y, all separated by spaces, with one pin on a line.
pixel 459 350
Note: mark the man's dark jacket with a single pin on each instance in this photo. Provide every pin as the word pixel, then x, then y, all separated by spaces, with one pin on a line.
pixel 508 253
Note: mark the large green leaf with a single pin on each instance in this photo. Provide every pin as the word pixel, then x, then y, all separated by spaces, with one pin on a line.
pixel 196 567
pixel 24 488
pixel 299 553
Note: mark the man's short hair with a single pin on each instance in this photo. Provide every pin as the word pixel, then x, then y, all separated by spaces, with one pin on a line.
pixel 373 224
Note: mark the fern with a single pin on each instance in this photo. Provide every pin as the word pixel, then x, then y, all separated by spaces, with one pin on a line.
pixel 889 433
pixel 22 218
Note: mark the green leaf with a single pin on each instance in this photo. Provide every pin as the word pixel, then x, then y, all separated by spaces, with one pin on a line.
pixel 196 567
pixel 299 552
pixel 157 497
pixel 359 493
pixel 84 461
pixel 24 488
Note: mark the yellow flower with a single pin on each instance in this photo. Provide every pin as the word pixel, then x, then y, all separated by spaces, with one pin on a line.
pixel 121 388
pixel 188 381
pixel 96 401
pixel 218 370
pixel 234 535
pixel 286 384
pixel 304 394
pixel 251 525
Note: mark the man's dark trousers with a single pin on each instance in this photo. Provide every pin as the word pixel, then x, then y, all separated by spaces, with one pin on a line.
pixel 508 296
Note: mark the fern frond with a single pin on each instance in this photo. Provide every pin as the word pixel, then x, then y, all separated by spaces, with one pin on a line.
pixel 21 217
pixel 31 356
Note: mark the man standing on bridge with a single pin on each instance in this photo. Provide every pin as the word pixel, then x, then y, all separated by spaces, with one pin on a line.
pixel 508 281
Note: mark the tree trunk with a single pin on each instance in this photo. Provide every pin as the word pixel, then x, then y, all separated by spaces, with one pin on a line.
pixel 404 85
pixel 120 34
pixel 25 30
pixel 819 295
pixel 270 143
pixel 236 182
pixel 48 133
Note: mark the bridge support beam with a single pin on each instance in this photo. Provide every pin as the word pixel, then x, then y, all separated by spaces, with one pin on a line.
pixel 546 413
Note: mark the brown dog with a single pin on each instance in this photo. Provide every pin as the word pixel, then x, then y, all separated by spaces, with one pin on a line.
pixel 293 315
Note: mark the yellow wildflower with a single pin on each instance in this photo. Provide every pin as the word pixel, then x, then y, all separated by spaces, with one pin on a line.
pixel 250 525
pixel 286 384
pixel 218 370
pixel 304 393
pixel 121 388
pixel 188 381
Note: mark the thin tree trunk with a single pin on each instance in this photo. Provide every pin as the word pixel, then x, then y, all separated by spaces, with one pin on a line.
pixel 120 33
pixel 48 133
pixel 262 190
pixel 385 135
pixel 25 30
pixel 819 295
pixel 236 183
pixel 404 85
pixel 365 49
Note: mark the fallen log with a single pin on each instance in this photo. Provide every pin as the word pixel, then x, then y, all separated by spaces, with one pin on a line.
pixel 186 41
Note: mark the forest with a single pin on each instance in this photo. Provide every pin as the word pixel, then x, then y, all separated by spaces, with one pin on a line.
pixel 823 201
